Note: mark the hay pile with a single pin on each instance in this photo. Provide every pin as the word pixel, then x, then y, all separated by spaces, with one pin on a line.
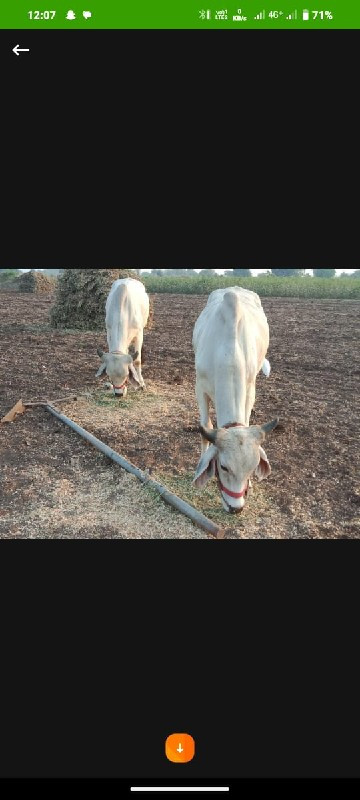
pixel 81 297
pixel 34 282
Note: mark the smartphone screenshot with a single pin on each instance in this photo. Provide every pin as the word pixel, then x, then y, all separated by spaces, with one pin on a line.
pixel 179 444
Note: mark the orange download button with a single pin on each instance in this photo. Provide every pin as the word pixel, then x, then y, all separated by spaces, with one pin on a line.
pixel 180 748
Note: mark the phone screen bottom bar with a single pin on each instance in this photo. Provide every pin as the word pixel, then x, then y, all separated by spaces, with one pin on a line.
pixel 180 789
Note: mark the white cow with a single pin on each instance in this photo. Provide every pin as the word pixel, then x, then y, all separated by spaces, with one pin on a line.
pixel 231 339
pixel 127 314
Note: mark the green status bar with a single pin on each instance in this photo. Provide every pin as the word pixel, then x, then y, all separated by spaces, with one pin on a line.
pixel 181 14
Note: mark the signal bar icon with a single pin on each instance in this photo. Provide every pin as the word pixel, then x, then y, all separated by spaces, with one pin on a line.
pixel 292 16
pixel 261 15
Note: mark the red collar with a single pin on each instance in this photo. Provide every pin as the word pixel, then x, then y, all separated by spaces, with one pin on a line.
pixel 120 387
pixel 235 495
pixel 234 425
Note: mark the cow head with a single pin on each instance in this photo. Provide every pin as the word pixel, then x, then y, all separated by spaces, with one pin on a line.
pixel 120 369
pixel 234 455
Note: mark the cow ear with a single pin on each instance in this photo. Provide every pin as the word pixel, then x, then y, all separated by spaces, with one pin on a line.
pixel 101 370
pixel 103 366
pixel 133 376
pixel 264 470
pixel 206 467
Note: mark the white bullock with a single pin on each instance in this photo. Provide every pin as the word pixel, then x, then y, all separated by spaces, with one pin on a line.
pixel 127 314
pixel 231 340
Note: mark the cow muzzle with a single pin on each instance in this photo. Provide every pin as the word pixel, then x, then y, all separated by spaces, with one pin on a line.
pixel 230 509
pixel 120 391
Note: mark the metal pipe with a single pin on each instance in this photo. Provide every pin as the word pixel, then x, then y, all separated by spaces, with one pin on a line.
pixel 171 499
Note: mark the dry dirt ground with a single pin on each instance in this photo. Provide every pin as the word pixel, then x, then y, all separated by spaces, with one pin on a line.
pixel 54 485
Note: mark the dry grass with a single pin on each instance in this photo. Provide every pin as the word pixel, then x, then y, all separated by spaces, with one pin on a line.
pixel 158 409
pixel 114 505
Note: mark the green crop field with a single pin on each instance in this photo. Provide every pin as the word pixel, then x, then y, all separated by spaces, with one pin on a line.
pixel 312 288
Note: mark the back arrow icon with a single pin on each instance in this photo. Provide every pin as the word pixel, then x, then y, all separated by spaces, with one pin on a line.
pixel 17 49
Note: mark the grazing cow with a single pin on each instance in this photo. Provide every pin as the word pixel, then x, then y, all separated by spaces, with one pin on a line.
pixel 231 339
pixel 127 314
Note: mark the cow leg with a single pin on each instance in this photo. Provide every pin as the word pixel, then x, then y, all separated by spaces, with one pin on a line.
pixel 138 343
pixel 250 402
pixel 204 408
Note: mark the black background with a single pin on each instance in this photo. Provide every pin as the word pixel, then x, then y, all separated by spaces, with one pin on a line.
pixel 108 648
pixel 159 149
pixel 181 147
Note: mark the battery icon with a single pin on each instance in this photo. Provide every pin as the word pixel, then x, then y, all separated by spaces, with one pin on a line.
pixel 306 14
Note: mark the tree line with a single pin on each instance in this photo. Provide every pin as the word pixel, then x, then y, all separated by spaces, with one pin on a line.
pixel 238 272
pixel 241 272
